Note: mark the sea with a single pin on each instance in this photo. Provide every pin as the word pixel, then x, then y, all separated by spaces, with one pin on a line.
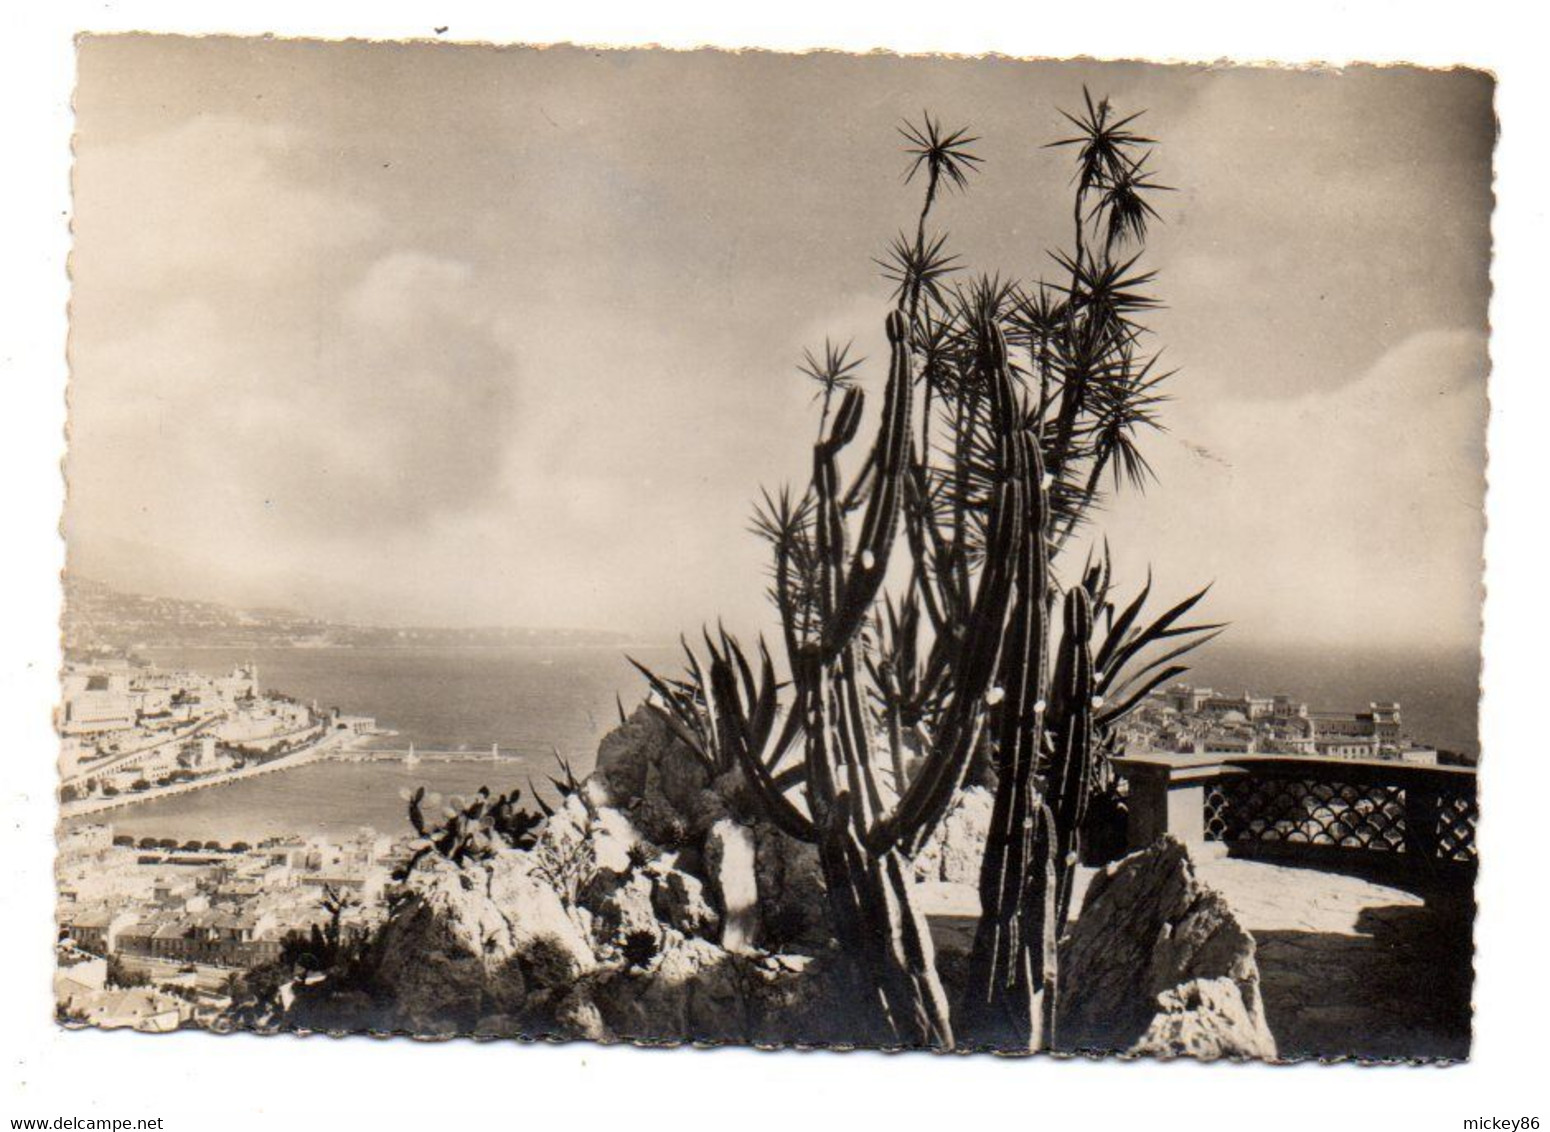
pixel 534 704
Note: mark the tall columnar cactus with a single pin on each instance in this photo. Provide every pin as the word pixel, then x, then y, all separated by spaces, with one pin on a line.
pixel 1071 768
pixel 1045 773
pixel 865 831
pixel 895 697
pixel 1007 975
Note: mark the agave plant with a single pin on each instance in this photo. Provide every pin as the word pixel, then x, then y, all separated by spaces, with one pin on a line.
pixel 723 710
pixel 1127 664
pixel 565 784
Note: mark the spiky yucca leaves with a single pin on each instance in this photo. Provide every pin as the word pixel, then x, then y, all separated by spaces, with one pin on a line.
pixel 1107 160
pixel 1127 663
pixel 1091 351
pixel 1124 402
pixel 1127 209
pixel 833 373
pixel 786 523
pixel 1089 390
pixel 942 154
pixel 917 267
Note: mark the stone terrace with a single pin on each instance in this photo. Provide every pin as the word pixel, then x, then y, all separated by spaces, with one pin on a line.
pixel 1355 879
pixel 1351 965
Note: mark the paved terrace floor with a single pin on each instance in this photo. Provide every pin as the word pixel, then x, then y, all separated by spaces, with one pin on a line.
pixel 1348 967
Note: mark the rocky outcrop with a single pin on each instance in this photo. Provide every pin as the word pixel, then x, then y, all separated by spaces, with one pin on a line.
pixel 1157 963
pixel 646 909
pixel 649 774
pixel 955 850
pixel 1205 1018
pixel 622 909
pixel 465 944
pixel 657 904
pixel 690 990
pixel 793 905
pixel 679 900
pixel 695 991
pixel 765 888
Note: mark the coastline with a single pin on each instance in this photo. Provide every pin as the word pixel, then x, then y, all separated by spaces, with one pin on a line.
pixel 331 744
pixel 143 647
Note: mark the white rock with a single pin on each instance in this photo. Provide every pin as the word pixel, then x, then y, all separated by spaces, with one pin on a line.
pixel 730 863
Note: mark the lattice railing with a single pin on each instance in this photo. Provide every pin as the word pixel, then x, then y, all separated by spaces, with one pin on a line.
pixel 1342 806
pixel 1456 817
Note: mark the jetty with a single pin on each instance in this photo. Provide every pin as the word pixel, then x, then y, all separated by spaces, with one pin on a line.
pixel 331 744
pixel 412 755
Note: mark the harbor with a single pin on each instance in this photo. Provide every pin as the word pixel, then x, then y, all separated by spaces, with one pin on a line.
pixel 331 744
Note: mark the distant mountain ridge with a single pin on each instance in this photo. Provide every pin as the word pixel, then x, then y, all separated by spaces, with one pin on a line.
pixel 98 617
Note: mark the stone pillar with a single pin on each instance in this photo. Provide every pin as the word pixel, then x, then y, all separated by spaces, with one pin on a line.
pixel 1147 803
pixel 1187 812
pixel 1421 811
pixel 1167 795
pixel 730 858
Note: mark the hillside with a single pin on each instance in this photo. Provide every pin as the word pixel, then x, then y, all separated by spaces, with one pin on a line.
pixel 99 618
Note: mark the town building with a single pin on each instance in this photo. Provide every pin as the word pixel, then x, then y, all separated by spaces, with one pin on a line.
pixel 1187 719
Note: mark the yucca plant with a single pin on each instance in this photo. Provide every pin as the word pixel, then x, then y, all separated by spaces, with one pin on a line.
pixel 1028 397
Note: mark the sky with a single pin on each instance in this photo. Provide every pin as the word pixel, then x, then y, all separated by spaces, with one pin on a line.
pixel 475 336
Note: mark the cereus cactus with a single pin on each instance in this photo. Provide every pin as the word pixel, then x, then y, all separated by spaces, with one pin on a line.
pixel 1006 406
pixel 1045 765
pixel 861 811
pixel 865 824
pixel 1071 767
pixel 1012 965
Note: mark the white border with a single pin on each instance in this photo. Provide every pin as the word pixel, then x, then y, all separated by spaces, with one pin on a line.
pixel 241 1082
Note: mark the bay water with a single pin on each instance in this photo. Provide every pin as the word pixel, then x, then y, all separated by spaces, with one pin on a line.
pixel 536 702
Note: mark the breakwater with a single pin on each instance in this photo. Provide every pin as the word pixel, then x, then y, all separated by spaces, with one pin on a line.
pixel 89 807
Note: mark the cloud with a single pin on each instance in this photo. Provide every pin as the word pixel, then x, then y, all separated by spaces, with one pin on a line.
pixel 489 336
pixel 1354 515
pixel 199 428
pixel 207 202
pixel 254 359
pixel 415 398
pixel 1320 221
